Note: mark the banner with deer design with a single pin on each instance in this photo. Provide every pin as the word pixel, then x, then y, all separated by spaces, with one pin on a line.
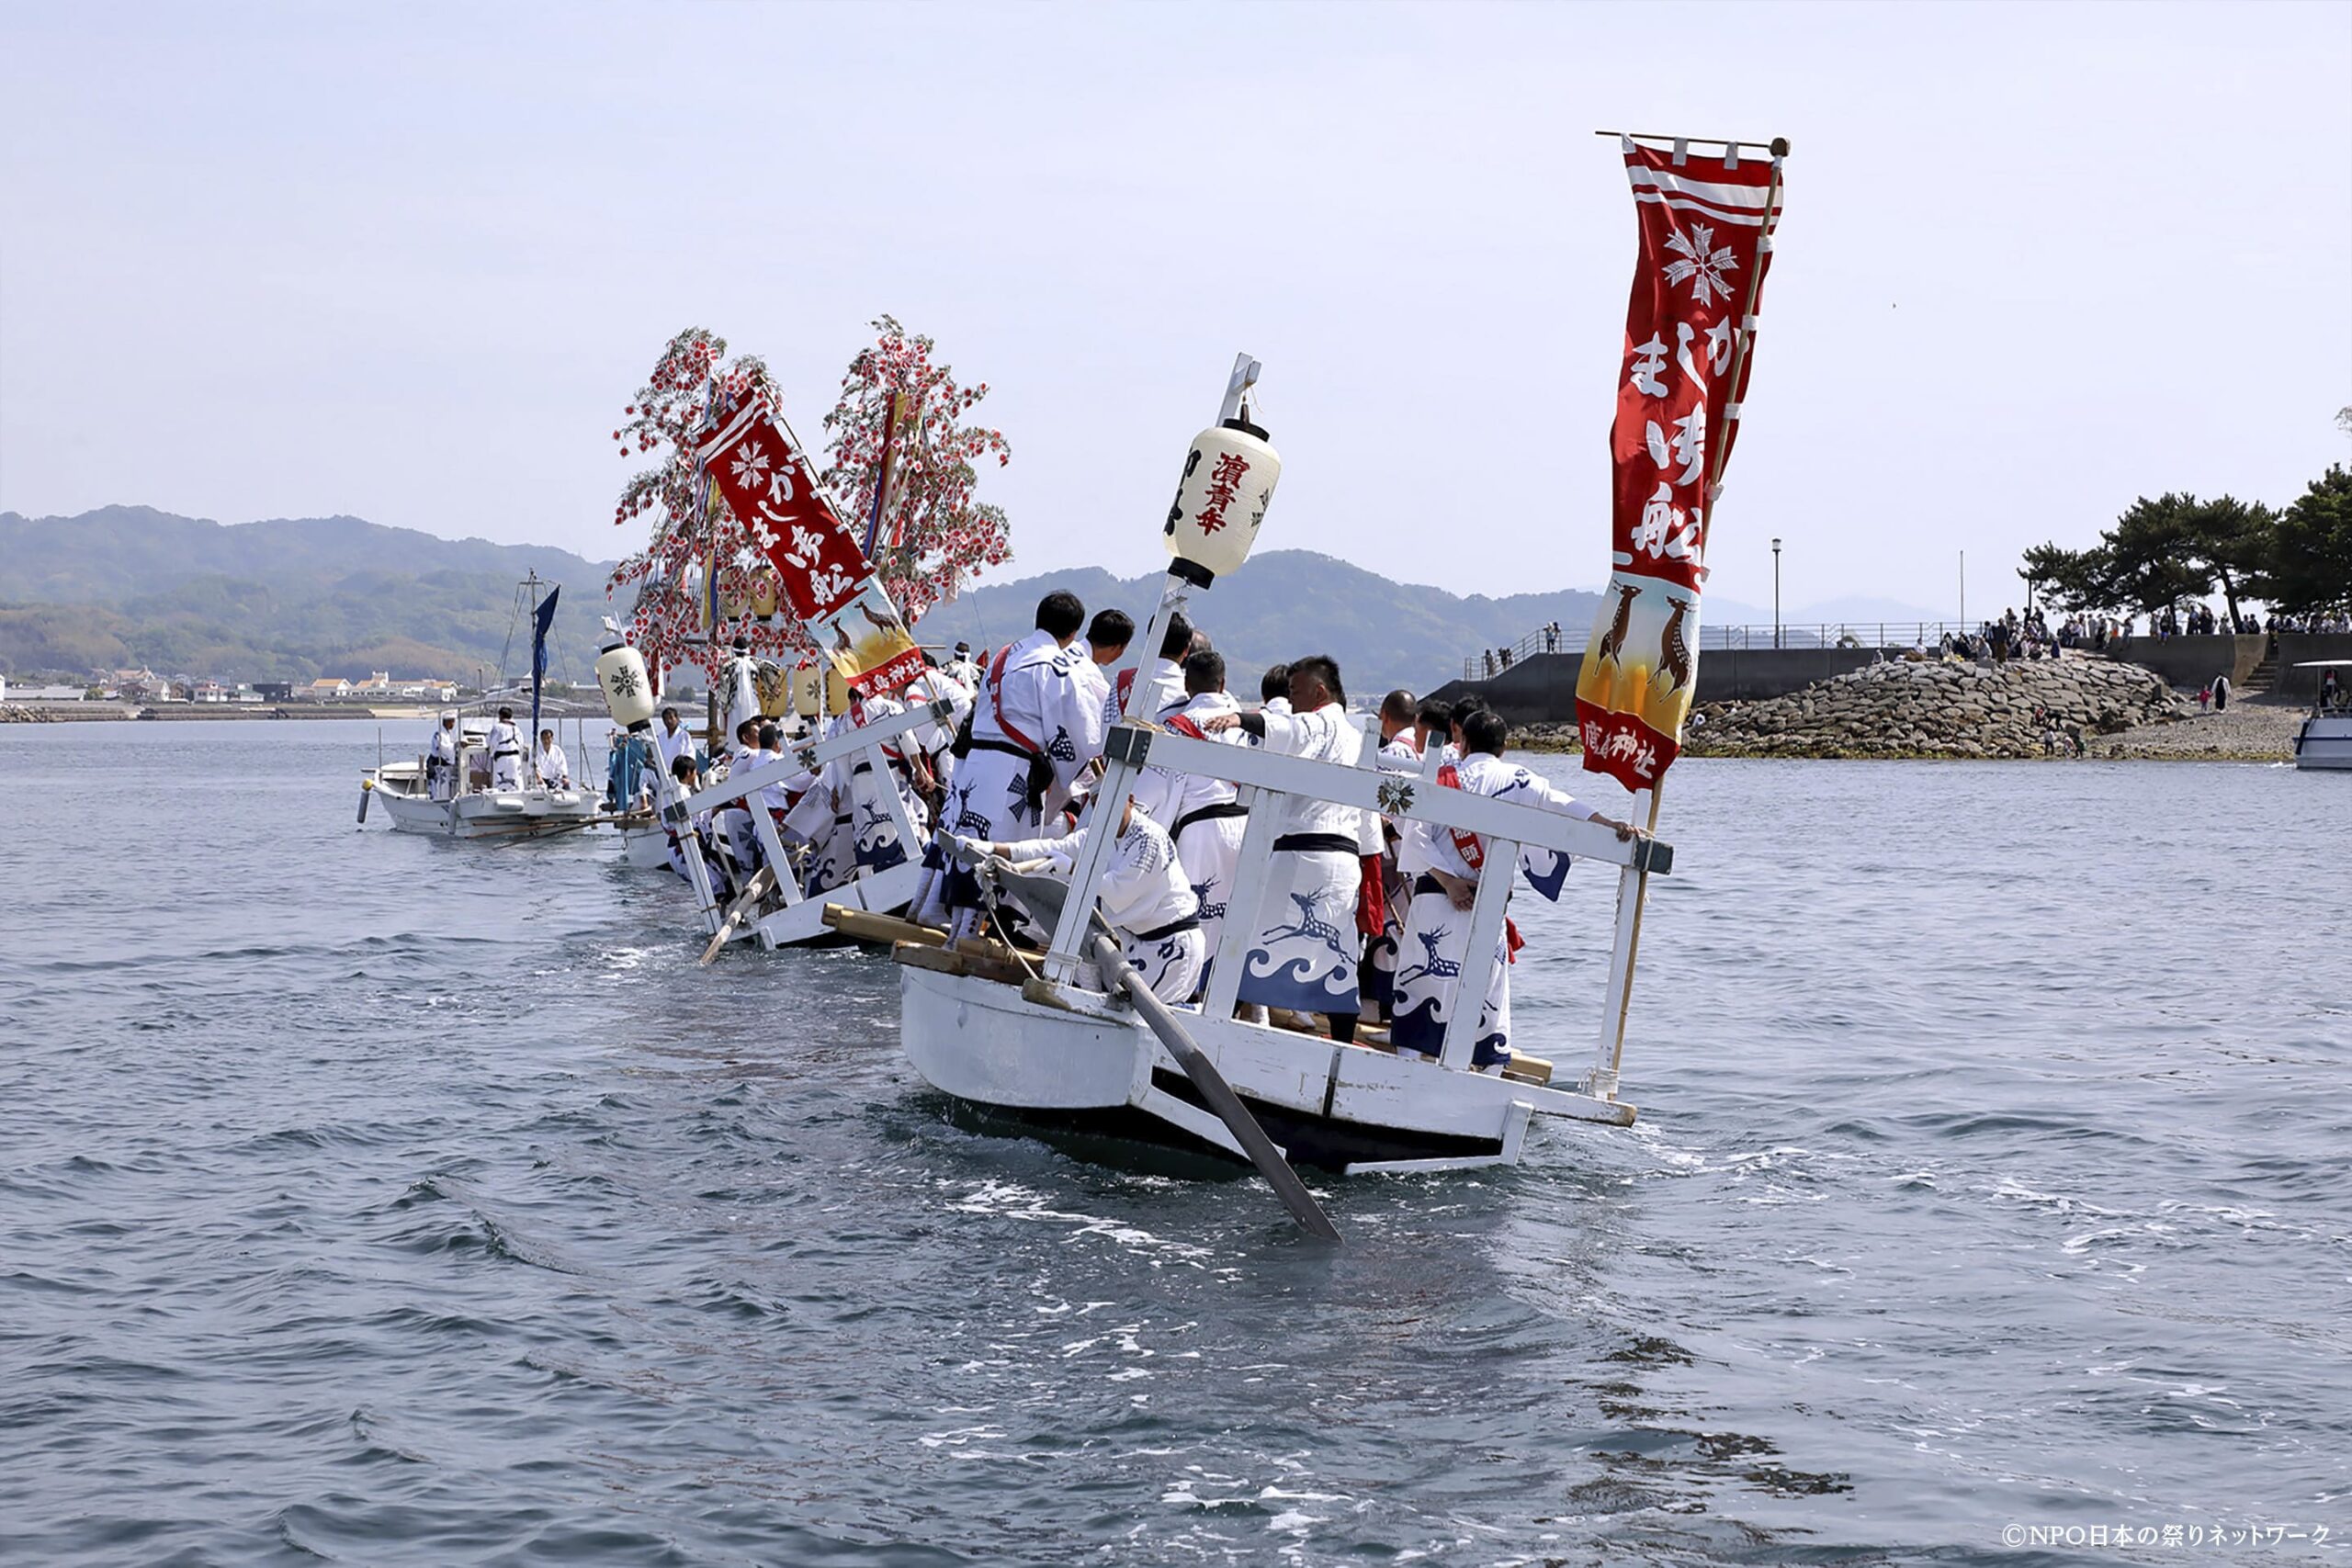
pixel 765 478
pixel 1706 224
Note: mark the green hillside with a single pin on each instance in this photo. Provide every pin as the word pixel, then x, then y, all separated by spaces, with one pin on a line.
pixel 284 600
pixel 294 600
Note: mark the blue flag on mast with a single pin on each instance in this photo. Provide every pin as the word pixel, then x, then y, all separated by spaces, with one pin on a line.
pixel 541 620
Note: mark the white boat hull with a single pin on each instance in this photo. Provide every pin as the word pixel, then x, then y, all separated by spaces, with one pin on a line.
pixel 1078 1063
pixel 488 814
pixel 2325 743
pixel 645 848
pixel 883 893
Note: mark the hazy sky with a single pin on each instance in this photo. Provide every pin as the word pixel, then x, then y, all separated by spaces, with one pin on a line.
pixel 408 261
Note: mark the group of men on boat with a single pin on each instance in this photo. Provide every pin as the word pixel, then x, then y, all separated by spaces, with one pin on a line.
pixel 1360 912
pixel 498 762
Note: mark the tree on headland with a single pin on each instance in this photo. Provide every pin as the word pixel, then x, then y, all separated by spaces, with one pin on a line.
pixel 2311 563
pixel 934 537
pixel 2160 552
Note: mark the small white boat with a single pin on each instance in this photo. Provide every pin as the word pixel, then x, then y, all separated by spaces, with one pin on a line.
pixel 2325 742
pixel 475 812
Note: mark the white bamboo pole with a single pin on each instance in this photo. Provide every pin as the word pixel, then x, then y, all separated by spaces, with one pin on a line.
pixel 1118 781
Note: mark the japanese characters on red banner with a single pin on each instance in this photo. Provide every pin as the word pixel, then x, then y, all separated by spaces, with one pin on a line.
pixel 1706 222
pixel 765 480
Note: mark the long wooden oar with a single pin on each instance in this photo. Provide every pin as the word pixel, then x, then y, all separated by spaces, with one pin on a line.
pixel 736 912
pixel 1044 896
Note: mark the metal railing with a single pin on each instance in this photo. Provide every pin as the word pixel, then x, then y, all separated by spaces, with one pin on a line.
pixel 1490 662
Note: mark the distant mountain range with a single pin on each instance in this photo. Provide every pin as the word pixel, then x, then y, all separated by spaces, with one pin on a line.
pixel 1284 604
pixel 287 599
pixel 296 598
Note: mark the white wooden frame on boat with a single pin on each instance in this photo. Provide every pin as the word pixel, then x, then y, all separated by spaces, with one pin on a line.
pixel 802 917
pixel 1054 1044
pixel 1506 827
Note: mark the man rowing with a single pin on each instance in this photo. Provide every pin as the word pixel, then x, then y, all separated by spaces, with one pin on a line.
pixel 1300 950
pixel 1037 722
pixel 1447 864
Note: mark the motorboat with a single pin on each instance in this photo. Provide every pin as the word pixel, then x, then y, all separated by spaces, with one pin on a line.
pixel 476 810
pixel 2325 742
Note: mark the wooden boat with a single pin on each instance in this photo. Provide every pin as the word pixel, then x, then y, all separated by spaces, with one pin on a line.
pixel 1030 1036
pixel 1047 1040
pixel 790 915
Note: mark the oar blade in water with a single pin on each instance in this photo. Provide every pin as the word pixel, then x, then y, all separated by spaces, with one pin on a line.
pixel 1044 898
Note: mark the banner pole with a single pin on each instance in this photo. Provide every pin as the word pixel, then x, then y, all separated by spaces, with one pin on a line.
pixel 1633 884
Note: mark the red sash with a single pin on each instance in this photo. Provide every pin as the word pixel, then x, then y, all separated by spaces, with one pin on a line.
pixel 1472 851
pixel 1468 845
pixel 996 702
pixel 1182 724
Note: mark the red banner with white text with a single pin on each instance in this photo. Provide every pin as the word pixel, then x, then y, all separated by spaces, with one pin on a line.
pixel 766 480
pixel 1706 221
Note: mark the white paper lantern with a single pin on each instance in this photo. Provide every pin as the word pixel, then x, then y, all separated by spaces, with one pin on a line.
pixel 628 690
pixel 1229 478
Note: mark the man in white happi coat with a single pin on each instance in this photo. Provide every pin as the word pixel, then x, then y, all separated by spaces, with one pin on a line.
pixel 1300 950
pixel 1446 864
pixel 961 668
pixel 1204 817
pixel 715 865
pixel 1164 691
pixel 505 752
pixel 671 741
pixel 441 759
pixel 733 820
pixel 553 768
pixel 1400 754
pixel 1036 723
pixel 738 688
pixel 1146 900
pixel 1273 689
pixel 928 749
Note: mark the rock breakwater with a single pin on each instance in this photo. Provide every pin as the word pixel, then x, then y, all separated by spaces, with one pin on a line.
pixel 1943 708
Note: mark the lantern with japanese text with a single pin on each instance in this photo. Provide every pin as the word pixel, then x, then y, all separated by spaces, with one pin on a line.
pixel 1230 475
pixel 628 692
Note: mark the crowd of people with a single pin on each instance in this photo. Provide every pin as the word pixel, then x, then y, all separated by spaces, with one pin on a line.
pixel 1360 912
pixel 499 763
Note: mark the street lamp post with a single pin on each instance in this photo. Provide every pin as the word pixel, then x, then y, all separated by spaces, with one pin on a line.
pixel 1775 591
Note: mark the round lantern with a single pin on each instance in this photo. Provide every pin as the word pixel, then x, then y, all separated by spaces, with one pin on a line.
pixel 733 603
pixel 1229 477
pixel 807 691
pixel 628 690
pixel 764 595
pixel 836 691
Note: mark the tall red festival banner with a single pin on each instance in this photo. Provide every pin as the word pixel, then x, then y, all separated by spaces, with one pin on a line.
pixel 763 476
pixel 1706 224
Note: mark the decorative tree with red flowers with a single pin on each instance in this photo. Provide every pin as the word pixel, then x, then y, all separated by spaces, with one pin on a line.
pixel 934 537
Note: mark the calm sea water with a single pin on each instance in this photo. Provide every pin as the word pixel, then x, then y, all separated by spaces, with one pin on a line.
pixel 373 1200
